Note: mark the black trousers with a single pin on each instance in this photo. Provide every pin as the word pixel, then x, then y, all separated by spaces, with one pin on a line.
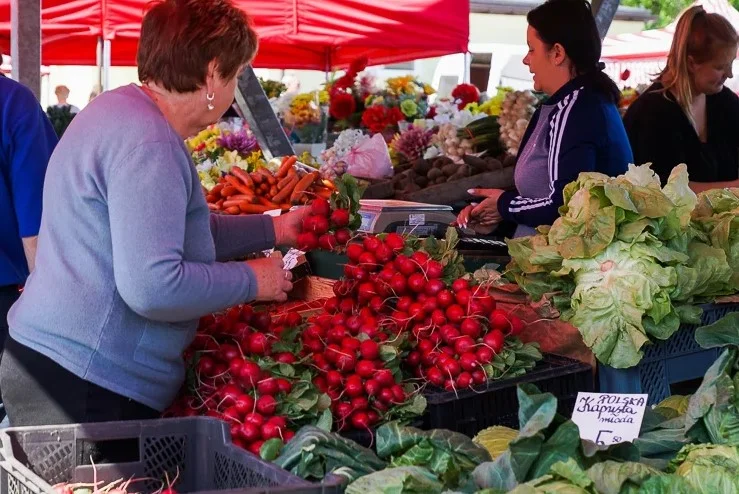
pixel 38 391
pixel 9 294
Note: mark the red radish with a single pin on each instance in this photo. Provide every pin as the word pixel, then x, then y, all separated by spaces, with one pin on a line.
pixel 369 350
pixel 398 393
pixel 319 225
pixel 350 344
pixel 244 404
pixel 250 432
pixel 346 306
pixel 340 217
pixel 445 298
pixel 368 260
pixel 383 253
pixel 284 385
pixel 249 374
pixel 361 273
pixel 376 304
pixel 372 387
pixel 229 393
pixel 271 430
pixel 345 363
pixel 334 394
pixel 484 355
pixel 398 284
pixel 471 327
pixel 354 251
pixel 327 241
pixel 254 418
pixel 488 302
pixel 468 362
pixel 288 435
pixel 312 346
pixel 433 287
pixel 343 410
pixel 373 417
pixel 500 320
pixel 320 207
pixel 494 340
pixel 385 377
pixel 475 308
pixel 206 366
pixel 259 344
pixel 416 312
pixel 354 322
pixel 268 387
pixel 365 369
pixel 430 305
pixel 343 236
pixel 464 344
pixel 438 318
pixel 360 403
pixel 360 420
pixel 285 358
pixel 333 351
pixel 464 380
pixel 404 302
pixel 334 379
pixel 353 386
pixel 371 243
pixel 405 265
pixel 449 367
pixel 425 346
pixel 307 241
pixel 478 376
pixel 386 396
pixel 463 297
pixel 266 405
pixel 416 282
pixel 454 313
pixel 336 334
pixel 413 359
pixel 435 376
pixel 517 325
pixel 448 351
pixel 380 406
pixel 366 292
pixel 255 447
pixel 434 269
pixel 395 241
pixel 386 274
pixel 460 284
pixel 232 413
pixel 421 259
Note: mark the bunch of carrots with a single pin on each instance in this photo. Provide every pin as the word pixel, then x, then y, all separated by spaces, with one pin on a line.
pixel 241 192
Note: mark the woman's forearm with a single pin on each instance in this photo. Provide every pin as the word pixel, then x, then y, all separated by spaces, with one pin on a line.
pixel 29 248
pixel 698 187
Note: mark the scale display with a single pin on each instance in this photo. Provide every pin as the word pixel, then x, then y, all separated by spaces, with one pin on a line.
pixel 385 216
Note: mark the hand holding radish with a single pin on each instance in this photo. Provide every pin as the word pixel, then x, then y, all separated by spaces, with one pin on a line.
pixel 482 217
pixel 273 282
pixel 288 226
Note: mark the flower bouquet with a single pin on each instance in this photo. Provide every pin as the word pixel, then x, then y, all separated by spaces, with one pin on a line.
pixel 273 89
pixel 346 97
pixel 304 115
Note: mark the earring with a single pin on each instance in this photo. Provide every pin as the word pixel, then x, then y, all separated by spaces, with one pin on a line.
pixel 210 97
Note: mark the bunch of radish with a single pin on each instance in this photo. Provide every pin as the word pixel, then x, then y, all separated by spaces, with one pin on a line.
pixel 330 223
pixel 390 288
pixel 230 384
pixel 362 387
pixel 324 228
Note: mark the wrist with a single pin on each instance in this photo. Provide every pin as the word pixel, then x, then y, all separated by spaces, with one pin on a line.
pixel 277 224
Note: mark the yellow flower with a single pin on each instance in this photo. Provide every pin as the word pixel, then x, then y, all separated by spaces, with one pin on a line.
pixel 401 85
pixel 473 108
pixel 428 90
pixel 211 133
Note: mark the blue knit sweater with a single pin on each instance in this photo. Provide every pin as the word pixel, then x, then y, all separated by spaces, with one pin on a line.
pixel 129 256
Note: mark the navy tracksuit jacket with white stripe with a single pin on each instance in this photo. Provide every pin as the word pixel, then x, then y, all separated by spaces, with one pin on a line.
pixel 585 133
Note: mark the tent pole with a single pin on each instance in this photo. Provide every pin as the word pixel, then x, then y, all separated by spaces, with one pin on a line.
pixel 99 61
pixel 467 63
pixel 25 43
pixel 106 65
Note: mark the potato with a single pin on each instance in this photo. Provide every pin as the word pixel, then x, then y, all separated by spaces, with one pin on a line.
pixel 494 164
pixel 509 160
pixel 421 181
pixel 434 173
pixel 441 180
pixel 421 166
pixel 478 164
pixel 450 169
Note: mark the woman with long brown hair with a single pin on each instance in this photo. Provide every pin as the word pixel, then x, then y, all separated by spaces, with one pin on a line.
pixel 688 115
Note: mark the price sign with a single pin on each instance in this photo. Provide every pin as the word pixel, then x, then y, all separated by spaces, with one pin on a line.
pixel 609 418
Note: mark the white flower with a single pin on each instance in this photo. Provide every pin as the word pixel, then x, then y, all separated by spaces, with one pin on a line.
pixel 205 166
pixel 431 152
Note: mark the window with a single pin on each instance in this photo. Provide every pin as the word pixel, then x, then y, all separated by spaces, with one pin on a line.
pixel 401 66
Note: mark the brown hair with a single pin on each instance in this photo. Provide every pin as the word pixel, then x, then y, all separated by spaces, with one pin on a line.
pixel 179 38
pixel 699 35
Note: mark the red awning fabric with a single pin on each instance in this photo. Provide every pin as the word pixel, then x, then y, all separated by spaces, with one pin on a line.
pixel 294 34
pixel 655 43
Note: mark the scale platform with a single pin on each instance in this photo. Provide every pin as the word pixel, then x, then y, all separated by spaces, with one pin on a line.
pixel 415 218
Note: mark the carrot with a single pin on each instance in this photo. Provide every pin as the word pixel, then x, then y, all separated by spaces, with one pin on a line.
pixel 228 191
pixel 264 188
pixel 234 202
pixel 273 190
pixel 254 208
pixel 323 192
pixel 217 189
pixel 213 207
pixel 258 178
pixel 235 182
pixel 266 202
pixel 220 203
pixel 292 172
pixel 243 176
pixel 302 186
pixel 328 184
pixel 243 197
pixel 282 183
pixel 211 198
pixel 287 163
pixel 285 207
pixel 285 192
pixel 233 210
pixel 268 176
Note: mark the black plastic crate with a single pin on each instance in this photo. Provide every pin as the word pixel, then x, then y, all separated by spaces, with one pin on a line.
pixel 198 448
pixel 471 410
pixel 674 360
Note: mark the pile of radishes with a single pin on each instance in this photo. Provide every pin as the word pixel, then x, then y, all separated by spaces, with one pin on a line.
pixel 362 387
pixel 324 228
pixel 231 385
pixel 455 329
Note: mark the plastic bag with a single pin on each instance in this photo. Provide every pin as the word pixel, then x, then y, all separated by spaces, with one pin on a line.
pixel 369 159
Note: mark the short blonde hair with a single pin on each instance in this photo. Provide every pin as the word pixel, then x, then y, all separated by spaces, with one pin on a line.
pixel 62 91
pixel 701 36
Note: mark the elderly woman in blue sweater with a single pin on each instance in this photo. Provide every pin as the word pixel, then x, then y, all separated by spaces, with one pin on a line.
pixel 129 256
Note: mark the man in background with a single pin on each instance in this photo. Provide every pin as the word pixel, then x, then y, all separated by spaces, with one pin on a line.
pixel 62 93
pixel 27 140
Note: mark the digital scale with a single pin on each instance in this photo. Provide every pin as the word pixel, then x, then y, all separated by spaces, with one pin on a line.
pixel 415 218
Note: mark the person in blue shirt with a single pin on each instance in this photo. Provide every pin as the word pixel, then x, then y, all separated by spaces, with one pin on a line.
pixel 27 140
pixel 578 129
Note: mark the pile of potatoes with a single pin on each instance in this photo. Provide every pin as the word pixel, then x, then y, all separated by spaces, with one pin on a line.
pixel 424 173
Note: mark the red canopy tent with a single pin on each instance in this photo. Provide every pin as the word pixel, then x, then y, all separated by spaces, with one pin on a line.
pixel 294 34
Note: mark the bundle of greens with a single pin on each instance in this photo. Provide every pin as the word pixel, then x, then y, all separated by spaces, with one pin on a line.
pixel 624 262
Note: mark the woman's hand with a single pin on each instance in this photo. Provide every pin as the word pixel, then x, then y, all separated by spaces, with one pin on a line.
pixel 482 217
pixel 288 227
pixel 273 281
